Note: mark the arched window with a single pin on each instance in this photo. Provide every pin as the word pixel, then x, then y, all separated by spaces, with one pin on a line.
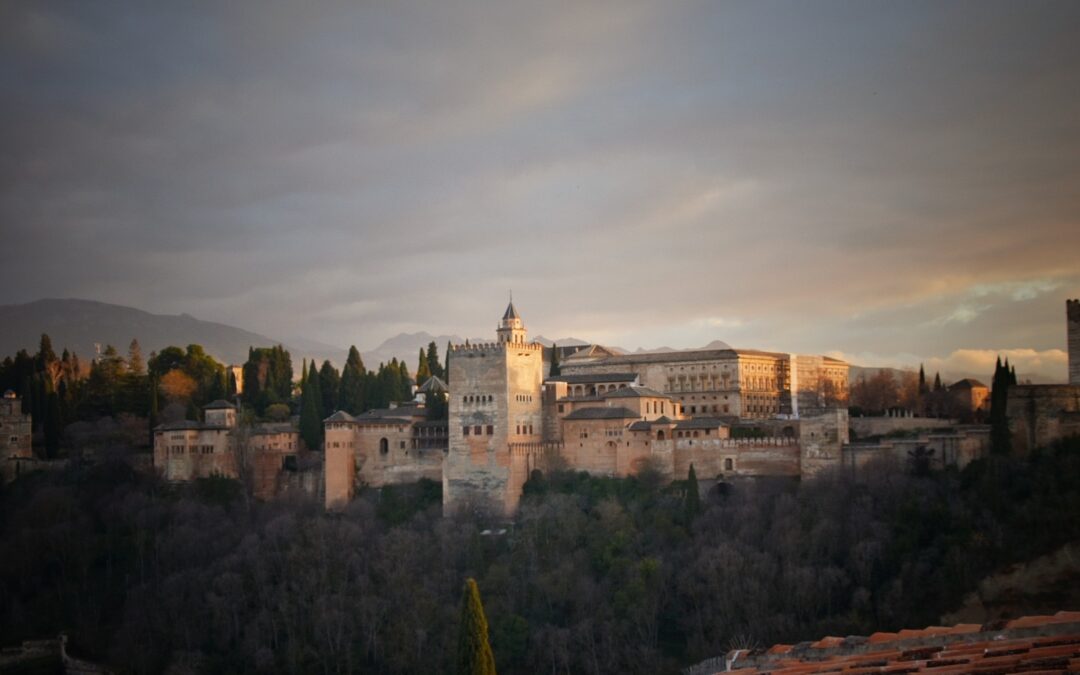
pixel 384 446
pixel 660 435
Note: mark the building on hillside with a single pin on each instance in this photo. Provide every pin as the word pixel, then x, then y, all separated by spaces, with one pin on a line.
pixel 969 400
pixel 218 446
pixel 16 427
pixel 606 413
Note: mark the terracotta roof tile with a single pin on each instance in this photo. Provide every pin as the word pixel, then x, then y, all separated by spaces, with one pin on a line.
pixel 827 642
pixel 1043 644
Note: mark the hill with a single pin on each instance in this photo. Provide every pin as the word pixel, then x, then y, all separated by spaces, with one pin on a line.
pixel 81 325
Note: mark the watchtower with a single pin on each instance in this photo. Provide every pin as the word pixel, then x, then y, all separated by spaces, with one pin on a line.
pixel 495 400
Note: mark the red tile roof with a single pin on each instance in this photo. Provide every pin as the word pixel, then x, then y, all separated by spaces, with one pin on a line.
pixel 1033 644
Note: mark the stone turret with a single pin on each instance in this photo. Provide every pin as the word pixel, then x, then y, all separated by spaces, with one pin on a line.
pixel 511 329
pixel 1072 311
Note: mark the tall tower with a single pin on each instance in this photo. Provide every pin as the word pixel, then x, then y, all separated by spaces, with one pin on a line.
pixel 511 329
pixel 495 415
pixel 1072 313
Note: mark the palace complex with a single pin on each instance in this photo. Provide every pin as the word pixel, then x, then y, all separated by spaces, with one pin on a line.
pixel 729 412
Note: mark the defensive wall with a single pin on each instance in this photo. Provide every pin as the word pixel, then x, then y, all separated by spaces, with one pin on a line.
pixel 1040 414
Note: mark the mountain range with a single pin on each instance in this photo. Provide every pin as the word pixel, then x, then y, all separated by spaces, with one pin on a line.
pixel 84 325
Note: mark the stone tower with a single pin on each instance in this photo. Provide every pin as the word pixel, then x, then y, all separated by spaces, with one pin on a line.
pixel 495 413
pixel 1072 312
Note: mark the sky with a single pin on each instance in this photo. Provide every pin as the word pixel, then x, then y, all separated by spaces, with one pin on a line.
pixel 888 182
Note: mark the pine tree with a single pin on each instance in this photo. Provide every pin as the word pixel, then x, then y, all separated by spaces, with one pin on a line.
pixel 692 505
pixel 136 365
pixel 474 655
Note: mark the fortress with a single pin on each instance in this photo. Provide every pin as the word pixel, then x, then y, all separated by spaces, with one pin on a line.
pixel 728 412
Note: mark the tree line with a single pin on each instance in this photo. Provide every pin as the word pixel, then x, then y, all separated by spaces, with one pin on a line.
pixel 592 575
pixel 175 383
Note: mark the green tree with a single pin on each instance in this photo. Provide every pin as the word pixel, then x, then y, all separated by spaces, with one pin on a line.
pixel 474 655
pixel 423 369
pixel 692 504
pixel 52 425
pixel 311 413
pixel 330 381
pixel 1000 436
pixel 353 398
pixel 434 367
pixel 555 370
pixel 136 366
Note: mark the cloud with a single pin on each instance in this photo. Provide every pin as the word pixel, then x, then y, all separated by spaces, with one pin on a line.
pixel 1047 366
pixel 803 178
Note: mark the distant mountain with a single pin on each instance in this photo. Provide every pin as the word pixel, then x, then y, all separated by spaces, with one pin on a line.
pixel 406 347
pixel 81 325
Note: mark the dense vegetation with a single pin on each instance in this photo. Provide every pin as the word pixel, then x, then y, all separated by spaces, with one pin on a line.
pixel 77 405
pixel 593 575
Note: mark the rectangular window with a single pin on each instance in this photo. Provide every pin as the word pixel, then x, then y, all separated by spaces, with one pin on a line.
pixel 464 431
pixel 490 430
pixel 476 430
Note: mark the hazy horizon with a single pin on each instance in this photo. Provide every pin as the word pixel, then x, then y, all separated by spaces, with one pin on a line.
pixel 889 183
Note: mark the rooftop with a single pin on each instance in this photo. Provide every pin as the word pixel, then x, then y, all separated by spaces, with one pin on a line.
pixel 1048 643
pixel 219 404
pixel 594 378
pixel 634 391
pixel 619 413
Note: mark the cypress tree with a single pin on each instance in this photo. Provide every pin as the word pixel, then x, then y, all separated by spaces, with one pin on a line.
pixel 330 382
pixel 433 362
pixel 693 496
pixel 937 382
pixel 352 398
pixel 405 382
pixel 555 371
pixel 922 381
pixel 311 416
pixel 52 425
pixel 1000 436
pixel 423 370
pixel 474 655
pixel 446 366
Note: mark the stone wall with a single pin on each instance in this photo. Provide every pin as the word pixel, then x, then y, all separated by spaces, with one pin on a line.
pixel 958 447
pixel 1040 414
pixel 864 427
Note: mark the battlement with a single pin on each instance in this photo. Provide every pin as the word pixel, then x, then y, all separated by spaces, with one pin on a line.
pixel 495 347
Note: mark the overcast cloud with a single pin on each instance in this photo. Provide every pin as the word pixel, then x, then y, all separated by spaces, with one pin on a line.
pixel 897 181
